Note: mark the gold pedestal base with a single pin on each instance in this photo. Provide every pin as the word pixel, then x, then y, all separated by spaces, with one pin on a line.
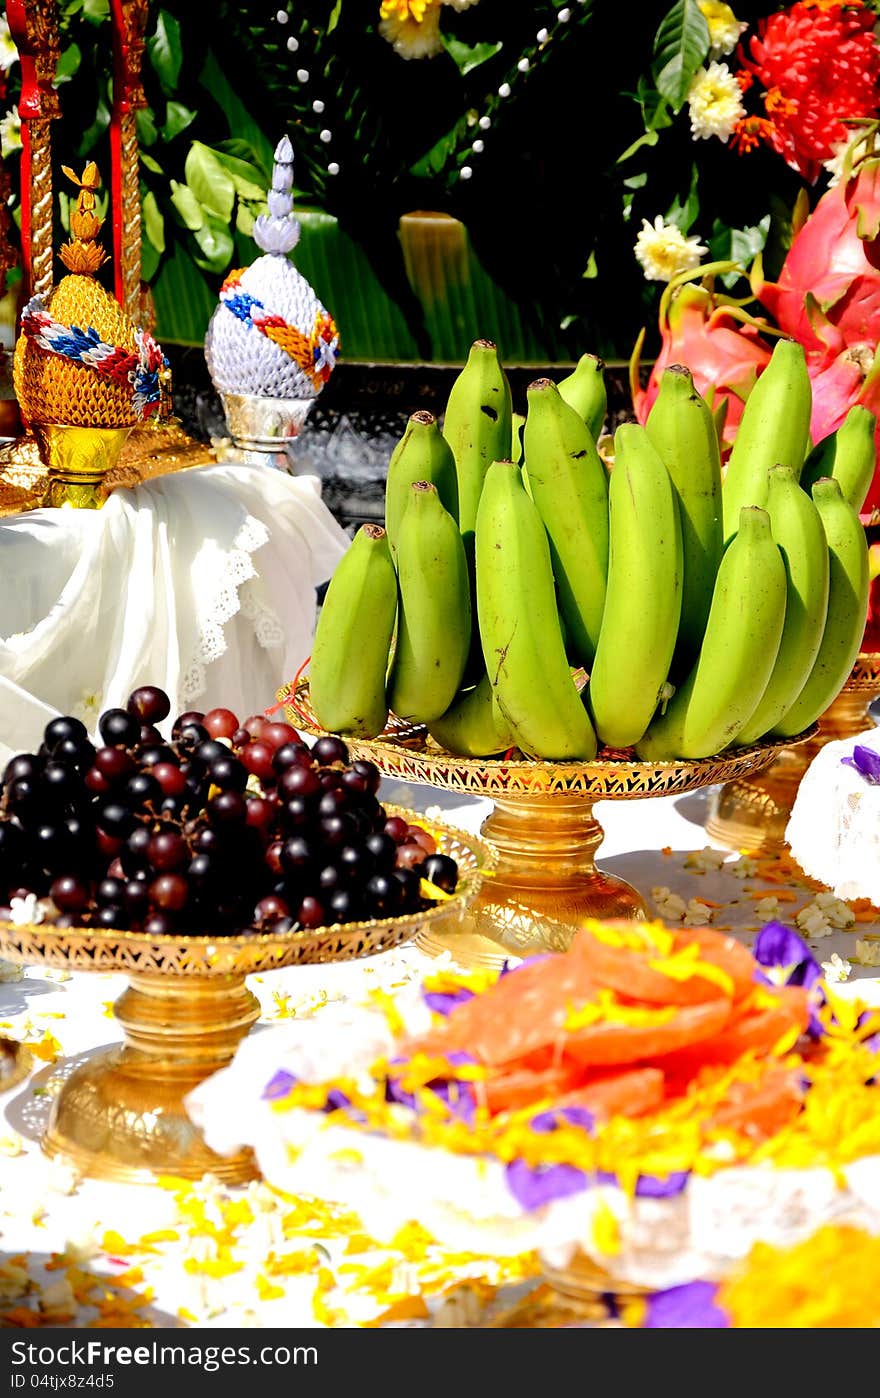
pixel 752 812
pixel 544 886
pixel 121 1116
pixel 78 459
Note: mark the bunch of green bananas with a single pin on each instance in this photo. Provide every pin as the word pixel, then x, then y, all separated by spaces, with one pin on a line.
pixel 704 616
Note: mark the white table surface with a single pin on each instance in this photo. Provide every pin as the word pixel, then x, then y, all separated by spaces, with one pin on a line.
pixel 189 1279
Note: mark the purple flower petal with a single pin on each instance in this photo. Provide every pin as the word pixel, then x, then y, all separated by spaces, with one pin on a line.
pixel 688 1307
pixel 278 1086
pixel 533 1188
pixel 780 946
pixel 573 1116
pixel 443 1003
pixel 865 761
pixel 653 1187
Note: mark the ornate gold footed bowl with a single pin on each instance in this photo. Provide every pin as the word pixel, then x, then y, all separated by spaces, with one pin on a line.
pixel 121 1115
pixel 752 811
pixel 542 829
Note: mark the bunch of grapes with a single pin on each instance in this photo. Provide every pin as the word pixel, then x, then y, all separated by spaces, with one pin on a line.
pixel 226 828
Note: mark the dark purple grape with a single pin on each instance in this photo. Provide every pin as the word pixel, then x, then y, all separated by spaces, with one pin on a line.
pixel 159 752
pixel 149 737
pixel 228 773
pixel 328 750
pixel 204 873
pixel 292 755
pixel 12 844
pixel 383 849
pixel 354 862
pixel 26 764
pixel 133 855
pixel 110 892
pixel 311 913
pixel 141 790
pixel 51 845
pixel 410 888
pixel 114 763
pixel 209 752
pixel 337 830
pixel 208 841
pixel 136 897
pixel 58 783
pixel 329 879
pixel 78 753
pixel 149 704
pixel 23 797
pixel 297 855
pixel 382 895
pixel 332 802
pixel 118 728
pixel 441 870
pixel 256 758
pixel 270 908
pixel 115 819
pixel 111 916
pixel 157 925
pixel 227 808
pixel 342 906
pixel 280 926
pixel 329 779
pixel 369 772
pixel 69 893
pixel 190 736
pixel 169 892
pixel 353 783
pixel 185 720
pixel 167 851
pixel 173 806
pixel 64 727
pixel 299 781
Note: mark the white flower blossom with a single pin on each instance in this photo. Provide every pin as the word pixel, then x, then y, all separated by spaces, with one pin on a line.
pixel 412 38
pixel 10 133
pixel 837 969
pixel 29 911
pixel 668 904
pixel 724 27
pixel 767 909
pixel 63 1177
pixel 704 860
pixel 14 1281
pixel 459 4
pixel 819 918
pixel 834 165
pixel 867 953
pixel 715 103
pixel 57 1301
pixel 663 250
pixel 8 51
pixel 698 913
pixel 744 868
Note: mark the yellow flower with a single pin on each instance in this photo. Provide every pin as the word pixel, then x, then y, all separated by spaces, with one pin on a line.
pixel 714 103
pixel 724 27
pixel 829 1281
pixel 412 26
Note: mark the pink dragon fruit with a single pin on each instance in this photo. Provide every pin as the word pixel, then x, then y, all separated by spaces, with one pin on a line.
pixel 724 352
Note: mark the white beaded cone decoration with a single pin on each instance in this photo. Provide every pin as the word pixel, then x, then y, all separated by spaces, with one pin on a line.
pixel 270 336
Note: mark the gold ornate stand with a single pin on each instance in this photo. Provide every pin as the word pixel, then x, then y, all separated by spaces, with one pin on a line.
pixel 121 1115
pixel 541 826
pixel 752 812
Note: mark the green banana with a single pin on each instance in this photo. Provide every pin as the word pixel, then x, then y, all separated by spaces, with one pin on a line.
pixel 584 390
pixel 796 526
pixel 518 422
pixel 477 425
pixel 434 625
pixel 774 430
pixel 848 456
pixel 422 454
pixel 353 638
pixel 643 604
pixel 473 726
pixel 519 624
pixel 847 609
pixel 682 430
pixel 569 486
pixel 738 653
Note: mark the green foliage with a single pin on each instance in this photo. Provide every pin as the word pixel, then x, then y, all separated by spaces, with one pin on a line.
pixel 681 44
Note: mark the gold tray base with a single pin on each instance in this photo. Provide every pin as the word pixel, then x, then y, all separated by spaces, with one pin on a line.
pixel 752 811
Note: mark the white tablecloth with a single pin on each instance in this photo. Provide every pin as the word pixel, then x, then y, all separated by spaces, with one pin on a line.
pixel 196 1279
pixel 202 582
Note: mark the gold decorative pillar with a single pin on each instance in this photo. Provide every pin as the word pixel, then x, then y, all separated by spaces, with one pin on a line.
pixel 129 18
pixel 33 25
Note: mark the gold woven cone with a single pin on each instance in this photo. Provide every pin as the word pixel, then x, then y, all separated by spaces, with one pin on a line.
pixel 51 389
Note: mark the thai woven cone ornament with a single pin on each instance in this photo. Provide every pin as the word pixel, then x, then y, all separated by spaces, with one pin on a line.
pixel 80 361
pixel 270 337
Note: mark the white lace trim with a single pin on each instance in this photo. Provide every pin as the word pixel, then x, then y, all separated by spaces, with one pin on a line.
pixel 266 623
pixel 224 577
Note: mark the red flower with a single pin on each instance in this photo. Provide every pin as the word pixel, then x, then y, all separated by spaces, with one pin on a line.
pixel 817 65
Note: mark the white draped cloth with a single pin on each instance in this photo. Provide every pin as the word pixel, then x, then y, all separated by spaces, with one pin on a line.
pixel 834 829
pixel 201 581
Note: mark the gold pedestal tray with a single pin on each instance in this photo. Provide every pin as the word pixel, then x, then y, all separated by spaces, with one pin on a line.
pixel 751 812
pixel 541 827
pixel 121 1115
